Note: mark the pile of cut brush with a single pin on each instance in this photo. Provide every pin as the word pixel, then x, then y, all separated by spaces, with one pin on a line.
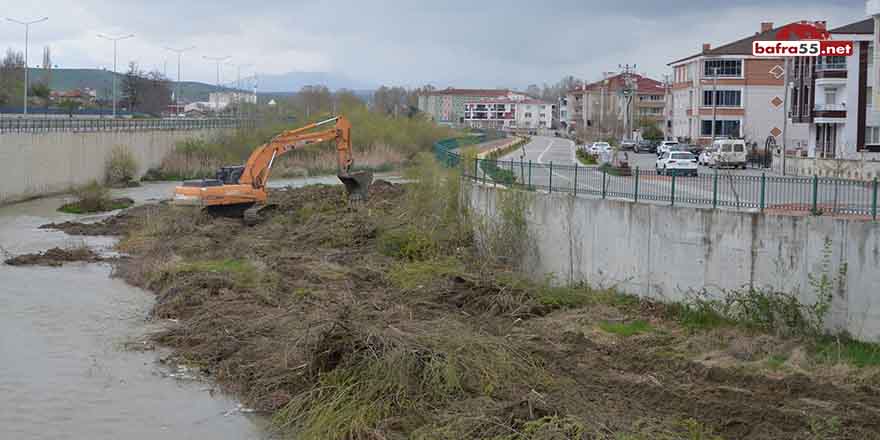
pixel 384 321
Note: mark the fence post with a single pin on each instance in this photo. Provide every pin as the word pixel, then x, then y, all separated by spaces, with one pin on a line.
pixel 575 179
pixel 815 208
pixel 551 178
pixel 530 174
pixel 673 190
pixel 763 189
pixel 636 193
pixel 715 189
pixel 476 169
pixel 874 201
pixel 604 171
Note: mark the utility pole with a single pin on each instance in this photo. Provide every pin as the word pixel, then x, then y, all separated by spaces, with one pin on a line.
pixel 784 112
pixel 668 104
pixel 218 60
pixel 179 53
pixel 115 40
pixel 27 28
pixel 628 92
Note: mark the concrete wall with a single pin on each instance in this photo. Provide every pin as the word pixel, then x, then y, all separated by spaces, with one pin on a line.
pixel 665 253
pixel 32 165
pixel 865 169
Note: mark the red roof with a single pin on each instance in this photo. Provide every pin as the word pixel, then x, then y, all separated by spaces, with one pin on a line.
pixel 489 93
pixel 644 84
pixel 506 100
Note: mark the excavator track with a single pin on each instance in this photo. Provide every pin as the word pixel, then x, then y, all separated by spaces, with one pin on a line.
pixel 257 214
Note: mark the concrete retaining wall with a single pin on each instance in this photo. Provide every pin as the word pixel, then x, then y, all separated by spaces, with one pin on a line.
pixel 861 169
pixel 665 253
pixel 33 165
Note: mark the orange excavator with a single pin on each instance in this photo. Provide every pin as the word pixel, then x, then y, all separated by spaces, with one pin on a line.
pixel 242 189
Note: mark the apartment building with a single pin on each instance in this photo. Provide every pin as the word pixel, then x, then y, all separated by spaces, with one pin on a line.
pixel 834 98
pixel 447 106
pixel 599 109
pixel 742 93
pixel 508 113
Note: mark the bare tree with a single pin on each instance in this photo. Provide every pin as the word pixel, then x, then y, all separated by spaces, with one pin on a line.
pixel 12 78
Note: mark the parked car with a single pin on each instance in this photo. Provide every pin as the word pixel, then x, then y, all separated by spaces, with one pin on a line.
pixel 677 162
pixel 598 148
pixel 695 149
pixel 707 157
pixel 627 145
pixel 729 153
pixel 665 147
pixel 645 145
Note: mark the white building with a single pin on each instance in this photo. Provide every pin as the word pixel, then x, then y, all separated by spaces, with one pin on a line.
pixel 218 101
pixel 509 113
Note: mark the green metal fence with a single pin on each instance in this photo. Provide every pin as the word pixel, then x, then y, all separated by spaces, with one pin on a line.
pixel 717 189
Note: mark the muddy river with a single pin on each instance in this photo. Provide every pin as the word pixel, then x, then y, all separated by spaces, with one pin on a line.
pixel 66 367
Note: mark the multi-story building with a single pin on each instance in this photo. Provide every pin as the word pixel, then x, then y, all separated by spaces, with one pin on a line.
pixel 599 109
pixel 833 97
pixel 447 106
pixel 742 93
pixel 508 113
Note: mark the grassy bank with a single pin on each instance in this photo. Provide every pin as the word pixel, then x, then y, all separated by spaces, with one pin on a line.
pixel 380 143
pixel 408 318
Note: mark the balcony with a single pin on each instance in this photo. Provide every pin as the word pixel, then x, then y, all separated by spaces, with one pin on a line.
pixel 830 66
pixel 830 107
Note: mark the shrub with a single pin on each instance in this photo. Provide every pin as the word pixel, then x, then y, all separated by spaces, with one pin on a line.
pixel 120 167
pixel 94 197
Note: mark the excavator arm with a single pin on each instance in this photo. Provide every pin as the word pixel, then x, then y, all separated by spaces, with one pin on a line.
pixel 259 165
pixel 249 187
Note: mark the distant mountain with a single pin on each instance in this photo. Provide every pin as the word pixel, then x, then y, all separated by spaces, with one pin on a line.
pixel 269 85
pixel 294 81
pixel 102 81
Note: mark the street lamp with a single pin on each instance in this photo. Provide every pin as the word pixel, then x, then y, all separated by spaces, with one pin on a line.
pixel 27 27
pixel 218 60
pixel 238 91
pixel 179 53
pixel 115 40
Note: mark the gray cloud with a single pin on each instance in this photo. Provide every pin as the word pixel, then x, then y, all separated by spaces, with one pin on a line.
pixel 463 42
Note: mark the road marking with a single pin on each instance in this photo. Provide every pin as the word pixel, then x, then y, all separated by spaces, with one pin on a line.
pixel 549 146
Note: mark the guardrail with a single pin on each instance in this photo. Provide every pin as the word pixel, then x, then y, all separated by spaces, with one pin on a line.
pixel 759 193
pixel 46 125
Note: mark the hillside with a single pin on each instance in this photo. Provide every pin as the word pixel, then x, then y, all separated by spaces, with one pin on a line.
pixel 102 81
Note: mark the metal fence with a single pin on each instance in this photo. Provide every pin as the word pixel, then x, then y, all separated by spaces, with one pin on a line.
pixel 719 189
pixel 46 125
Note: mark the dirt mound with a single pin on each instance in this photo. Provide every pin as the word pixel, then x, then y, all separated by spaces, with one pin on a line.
pixel 111 226
pixel 55 257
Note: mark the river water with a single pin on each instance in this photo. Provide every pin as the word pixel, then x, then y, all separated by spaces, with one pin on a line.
pixel 65 371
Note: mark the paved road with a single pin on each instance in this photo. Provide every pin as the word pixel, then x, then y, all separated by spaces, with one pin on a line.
pixel 735 189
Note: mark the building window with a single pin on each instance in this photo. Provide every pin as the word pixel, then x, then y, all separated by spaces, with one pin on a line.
pixel 726 98
pixel 872 135
pixel 724 68
pixel 830 96
pixel 722 128
pixel 827 63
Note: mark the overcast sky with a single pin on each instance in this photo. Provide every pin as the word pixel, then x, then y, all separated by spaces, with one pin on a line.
pixel 466 43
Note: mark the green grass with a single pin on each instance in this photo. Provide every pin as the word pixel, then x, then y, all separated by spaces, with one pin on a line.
pixel 859 354
pixel 243 272
pixel 563 297
pixel 696 316
pixel 586 158
pixel 626 329
pixel 776 361
pixel 409 275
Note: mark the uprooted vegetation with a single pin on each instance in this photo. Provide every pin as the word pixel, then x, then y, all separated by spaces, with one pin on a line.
pixel 399 319
pixel 93 198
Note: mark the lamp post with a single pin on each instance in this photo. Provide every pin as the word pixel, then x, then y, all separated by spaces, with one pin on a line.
pixel 27 27
pixel 115 40
pixel 179 53
pixel 238 89
pixel 218 60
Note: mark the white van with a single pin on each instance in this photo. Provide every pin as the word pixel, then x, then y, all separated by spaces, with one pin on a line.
pixel 729 153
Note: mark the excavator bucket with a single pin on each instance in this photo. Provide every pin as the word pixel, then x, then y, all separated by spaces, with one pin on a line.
pixel 357 185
